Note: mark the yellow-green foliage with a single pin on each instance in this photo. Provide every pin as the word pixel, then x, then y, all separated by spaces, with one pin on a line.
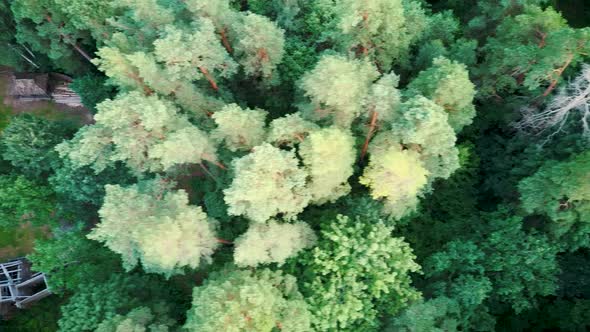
pixel 260 45
pixel 181 147
pixel 336 88
pixel 423 126
pixel 240 129
pixel 384 98
pixel 382 29
pixel 289 129
pixel 272 242
pixel 184 53
pixel 146 133
pixel 328 155
pixel 357 271
pixel 151 224
pixel 447 84
pixel 397 176
pixel 248 301
pixel 267 182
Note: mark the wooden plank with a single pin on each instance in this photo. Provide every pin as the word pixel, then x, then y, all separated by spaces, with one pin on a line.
pixel 36 297
pixel 33 280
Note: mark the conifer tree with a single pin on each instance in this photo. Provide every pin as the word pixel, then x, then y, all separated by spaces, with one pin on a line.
pixel 383 30
pixel 423 126
pixel 561 191
pixel 336 87
pixel 240 129
pixel 290 129
pixel 63 32
pixel 279 181
pixel 259 45
pixel 243 300
pixel 272 242
pixel 532 50
pixel 146 133
pixel 154 225
pixel 139 319
pixel 328 155
pixel 447 84
pixel 395 175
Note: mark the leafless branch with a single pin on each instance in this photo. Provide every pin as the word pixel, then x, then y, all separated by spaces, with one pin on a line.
pixel 571 100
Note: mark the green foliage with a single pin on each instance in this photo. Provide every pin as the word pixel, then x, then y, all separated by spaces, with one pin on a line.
pixel 272 242
pixel 23 200
pixel 436 315
pixel 262 301
pixel 447 84
pixel 506 265
pixel 496 217
pixel 60 29
pixel 28 142
pixel 357 272
pixel 154 225
pixel 424 126
pixel 382 30
pixel 531 50
pixel 94 303
pixel 139 319
pixel 83 185
pixel 279 182
pixel 92 89
pixel 289 129
pixel 561 191
pixel 71 260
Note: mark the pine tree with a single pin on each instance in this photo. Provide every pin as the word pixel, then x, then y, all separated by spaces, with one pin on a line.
pixel 290 129
pixel 139 319
pixel 272 242
pixel 261 301
pixel 146 133
pixel 447 84
pixel 532 50
pixel 240 129
pixel 259 45
pixel 395 175
pixel 279 181
pixel 561 191
pixel 336 87
pixel 328 155
pixel 424 127
pixel 382 30
pixel 154 225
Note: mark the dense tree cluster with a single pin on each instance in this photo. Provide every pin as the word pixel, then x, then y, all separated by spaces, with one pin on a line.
pixel 291 165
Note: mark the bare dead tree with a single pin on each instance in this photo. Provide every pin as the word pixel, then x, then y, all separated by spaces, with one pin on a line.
pixel 572 101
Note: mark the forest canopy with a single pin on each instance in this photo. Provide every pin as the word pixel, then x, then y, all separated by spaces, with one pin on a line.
pixel 292 165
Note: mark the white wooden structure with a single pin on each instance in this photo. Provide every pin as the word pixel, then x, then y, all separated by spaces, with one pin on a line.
pixel 19 286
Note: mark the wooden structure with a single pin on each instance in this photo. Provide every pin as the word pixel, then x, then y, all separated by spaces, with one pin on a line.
pixel 19 286
pixel 29 87
pixel 26 87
